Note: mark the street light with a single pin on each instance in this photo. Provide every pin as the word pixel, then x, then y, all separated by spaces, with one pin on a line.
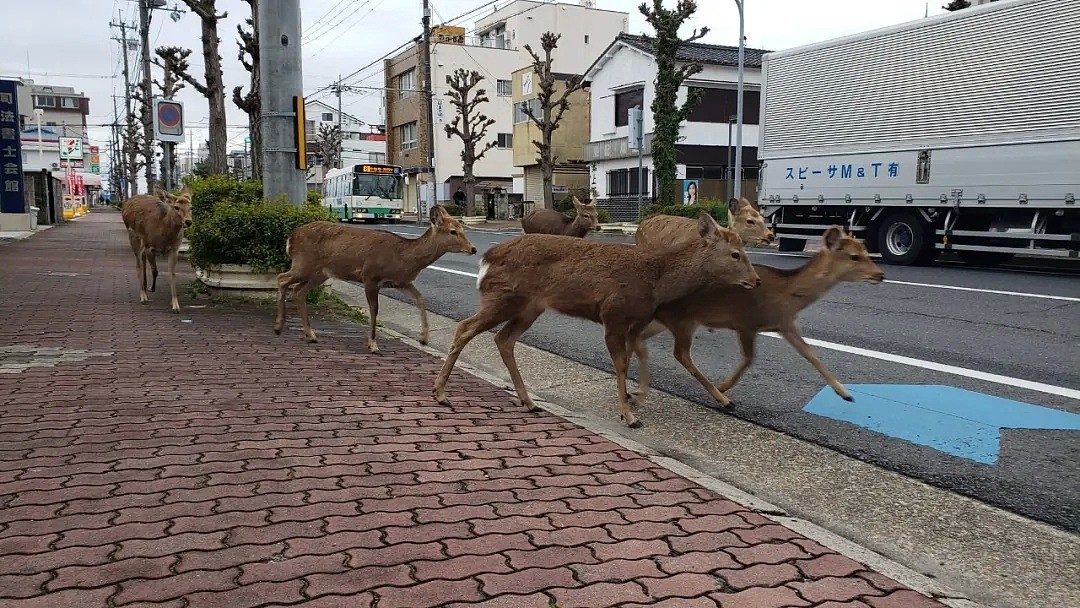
pixel 730 169
pixel 739 108
pixel 41 149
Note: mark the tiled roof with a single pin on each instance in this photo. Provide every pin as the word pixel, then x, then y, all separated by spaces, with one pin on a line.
pixel 713 54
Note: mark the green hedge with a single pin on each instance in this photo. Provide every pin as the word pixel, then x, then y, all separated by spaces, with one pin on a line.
pixel 714 207
pixel 246 232
pixel 452 209
pixel 208 192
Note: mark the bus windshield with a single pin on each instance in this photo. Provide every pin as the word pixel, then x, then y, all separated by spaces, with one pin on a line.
pixel 383 186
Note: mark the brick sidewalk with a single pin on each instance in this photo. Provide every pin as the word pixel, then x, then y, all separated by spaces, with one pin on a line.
pixel 212 464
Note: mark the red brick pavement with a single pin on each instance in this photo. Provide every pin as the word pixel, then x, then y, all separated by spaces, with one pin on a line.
pixel 213 464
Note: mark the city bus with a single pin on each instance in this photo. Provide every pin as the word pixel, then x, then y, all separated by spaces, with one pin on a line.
pixel 365 191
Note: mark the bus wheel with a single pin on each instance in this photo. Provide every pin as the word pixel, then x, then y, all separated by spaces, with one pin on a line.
pixel 792 244
pixel 904 239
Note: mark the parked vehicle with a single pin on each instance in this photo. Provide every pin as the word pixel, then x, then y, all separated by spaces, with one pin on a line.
pixel 365 192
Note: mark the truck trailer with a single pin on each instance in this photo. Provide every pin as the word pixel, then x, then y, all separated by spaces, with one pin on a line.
pixel 958 132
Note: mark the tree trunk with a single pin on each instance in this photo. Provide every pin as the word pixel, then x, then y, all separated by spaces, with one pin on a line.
pixel 546 164
pixel 218 161
pixel 255 117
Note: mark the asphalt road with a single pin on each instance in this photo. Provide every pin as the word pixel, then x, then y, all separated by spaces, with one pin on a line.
pixel 1019 336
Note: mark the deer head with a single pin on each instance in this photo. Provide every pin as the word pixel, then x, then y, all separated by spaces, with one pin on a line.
pixel 448 233
pixel 725 257
pixel 847 259
pixel 588 216
pixel 180 202
pixel 748 223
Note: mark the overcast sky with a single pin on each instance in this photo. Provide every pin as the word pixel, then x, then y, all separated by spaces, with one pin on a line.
pixel 68 42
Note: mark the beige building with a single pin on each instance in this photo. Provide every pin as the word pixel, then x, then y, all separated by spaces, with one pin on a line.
pixel 571 174
pixel 495 49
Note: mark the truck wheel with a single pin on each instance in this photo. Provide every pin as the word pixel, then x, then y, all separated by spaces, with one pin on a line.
pixel 792 244
pixel 904 239
pixel 987 259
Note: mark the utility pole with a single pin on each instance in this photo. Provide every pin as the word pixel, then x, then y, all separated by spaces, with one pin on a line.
pixel 116 161
pixel 147 93
pixel 429 93
pixel 341 133
pixel 131 186
pixel 281 89
pixel 739 108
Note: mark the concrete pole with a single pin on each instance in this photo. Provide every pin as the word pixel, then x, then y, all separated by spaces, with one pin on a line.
pixel 341 132
pixel 430 98
pixel 282 79
pixel 147 93
pixel 739 108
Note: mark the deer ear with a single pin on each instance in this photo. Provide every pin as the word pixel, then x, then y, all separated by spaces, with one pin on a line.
pixel 707 226
pixel 436 214
pixel 832 237
pixel 733 205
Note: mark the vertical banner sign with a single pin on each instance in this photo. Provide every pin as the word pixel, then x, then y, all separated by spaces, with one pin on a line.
pixel 301 136
pixel 11 168
pixel 95 159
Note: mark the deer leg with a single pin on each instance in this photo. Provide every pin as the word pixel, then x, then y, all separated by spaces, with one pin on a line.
pixel 140 264
pixel 484 319
pixel 791 334
pixel 285 280
pixel 143 298
pixel 617 343
pixel 746 343
pixel 412 290
pixel 173 256
pixel 642 351
pixel 300 295
pixel 684 339
pixel 371 291
pixel 152 259
pixel 505 340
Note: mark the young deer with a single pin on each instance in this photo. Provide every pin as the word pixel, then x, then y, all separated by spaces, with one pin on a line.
pixel 155 225
pixel 614 284
pixel 665 230
pixel 773 306
pixel 376 258
pixel 549 221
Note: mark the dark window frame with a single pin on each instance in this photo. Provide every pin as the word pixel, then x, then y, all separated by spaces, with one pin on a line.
pixel 624 100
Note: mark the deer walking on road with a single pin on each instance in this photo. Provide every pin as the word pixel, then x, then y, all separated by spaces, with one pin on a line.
pixel 549 221
pixel 667 230
pixel 377 258
pixel 773 306
pixel 155 225
pixel 615 284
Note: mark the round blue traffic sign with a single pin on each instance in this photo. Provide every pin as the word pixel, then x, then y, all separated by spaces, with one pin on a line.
pixel 168 115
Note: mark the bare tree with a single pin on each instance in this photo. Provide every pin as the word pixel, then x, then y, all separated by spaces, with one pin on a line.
pixel 956 5
pixel 553 105
pixel 132 138
pixel 251 103
pixel 213 88
pixel 172 60
pixel 328 139
pixel 469 125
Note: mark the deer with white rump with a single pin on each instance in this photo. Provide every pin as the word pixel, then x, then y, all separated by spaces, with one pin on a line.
pixel 773 306
pixel 155 225
pixel 377 258
pixel 617 285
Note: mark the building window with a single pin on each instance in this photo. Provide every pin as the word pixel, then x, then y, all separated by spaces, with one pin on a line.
pixel 626 100
pixel 505 140
pixel 719 105
pixel 70 103
pixel 44 101
pixel 519 112
pixel 406 82
pixel 504 88
pixel 407 135
pixel 328 117
pixel 376 157
pixel 586 39
pixel 624 182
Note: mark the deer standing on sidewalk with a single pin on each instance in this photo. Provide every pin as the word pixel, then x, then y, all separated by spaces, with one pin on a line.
pixel 155 225
pixel 549 221
pixel 617 285
pixel 665 230
pixel 773 306
pixel 376 258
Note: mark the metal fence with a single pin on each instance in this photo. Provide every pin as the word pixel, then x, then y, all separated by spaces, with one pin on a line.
pixel 624 208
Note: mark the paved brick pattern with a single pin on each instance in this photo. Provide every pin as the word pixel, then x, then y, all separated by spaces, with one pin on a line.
pixel 213 464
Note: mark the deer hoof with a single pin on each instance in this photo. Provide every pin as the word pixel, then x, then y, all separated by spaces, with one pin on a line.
pixel 312 339
pixel 443 401
pixel 277 331
pixel 848 398
pixel 634 423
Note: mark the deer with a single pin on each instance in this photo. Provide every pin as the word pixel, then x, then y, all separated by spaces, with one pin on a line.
pixel 773 306
pixel 377 258
pixel 615 284
pixel 663 230
pixel 155 225
pixel 549 221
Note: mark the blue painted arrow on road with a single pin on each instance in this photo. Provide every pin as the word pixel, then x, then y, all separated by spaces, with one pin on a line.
pixel 949 419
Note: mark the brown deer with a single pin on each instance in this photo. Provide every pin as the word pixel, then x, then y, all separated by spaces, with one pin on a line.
pixel 549 221
pixel 155 225
pixel 376 258
pixel 773 306
pixel 665 230
pixel 615 284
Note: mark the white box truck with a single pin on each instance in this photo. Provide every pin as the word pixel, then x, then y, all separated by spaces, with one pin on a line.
pixel 959 132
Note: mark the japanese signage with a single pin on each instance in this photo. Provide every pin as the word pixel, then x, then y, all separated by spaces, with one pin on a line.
pixel 11 168
pixel 71 147
pixel 95 159
pixel 840 170
pixel 385 169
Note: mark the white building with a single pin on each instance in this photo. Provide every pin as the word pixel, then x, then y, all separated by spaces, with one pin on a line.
pixel 624 76
pixel 495 49
pixel 360 142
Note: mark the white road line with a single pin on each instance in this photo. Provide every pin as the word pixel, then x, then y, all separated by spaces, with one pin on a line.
pixel 1041 387
pixel 994 291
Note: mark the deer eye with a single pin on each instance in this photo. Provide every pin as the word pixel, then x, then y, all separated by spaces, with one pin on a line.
pixel 735 255
pixel 453 231
pixel 855 257
pixel 751 222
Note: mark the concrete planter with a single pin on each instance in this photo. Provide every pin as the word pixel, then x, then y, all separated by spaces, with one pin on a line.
pixel 239 279
pixel 185 246
pixel 473 220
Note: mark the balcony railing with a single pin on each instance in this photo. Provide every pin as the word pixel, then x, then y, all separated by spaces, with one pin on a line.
pixel 619 147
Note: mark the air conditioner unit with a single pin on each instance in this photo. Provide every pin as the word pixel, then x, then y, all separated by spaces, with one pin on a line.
pixel 55 165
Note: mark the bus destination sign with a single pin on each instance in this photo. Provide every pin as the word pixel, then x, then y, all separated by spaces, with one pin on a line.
pixel 380 169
